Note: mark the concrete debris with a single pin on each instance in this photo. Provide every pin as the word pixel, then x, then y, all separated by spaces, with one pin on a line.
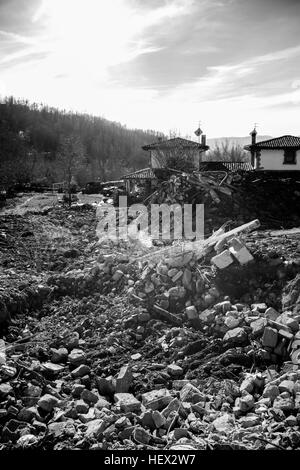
pixel 270 337
pixel 236 336
pixel 47 402
pixel 156 399
pixel 127 402
pixel 193 346
pixel 124 379
pixel 240 252
pixel 223 260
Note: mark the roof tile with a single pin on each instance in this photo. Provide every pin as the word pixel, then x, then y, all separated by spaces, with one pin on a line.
pixel 175 143
pixel 285 141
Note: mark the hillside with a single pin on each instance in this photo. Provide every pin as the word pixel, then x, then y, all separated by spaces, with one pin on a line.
pixel 31 137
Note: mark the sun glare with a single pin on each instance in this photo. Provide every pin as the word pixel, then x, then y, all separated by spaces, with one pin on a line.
pixel 91 33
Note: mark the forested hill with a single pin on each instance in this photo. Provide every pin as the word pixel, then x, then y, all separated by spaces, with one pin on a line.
pixel 31 136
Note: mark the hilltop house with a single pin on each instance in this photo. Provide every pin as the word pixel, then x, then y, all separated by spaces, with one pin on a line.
pixel 279 154
pixel 161 151
pixel 159 154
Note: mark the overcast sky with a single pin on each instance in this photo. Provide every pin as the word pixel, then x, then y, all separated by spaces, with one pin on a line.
pixel 159 64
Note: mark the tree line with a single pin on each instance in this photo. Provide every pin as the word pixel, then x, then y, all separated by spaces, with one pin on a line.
pixel 34 136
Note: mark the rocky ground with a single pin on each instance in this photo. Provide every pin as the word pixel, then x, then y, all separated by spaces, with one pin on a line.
pixel 109 346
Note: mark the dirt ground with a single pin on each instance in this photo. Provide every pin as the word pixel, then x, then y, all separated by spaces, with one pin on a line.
pixel 32 202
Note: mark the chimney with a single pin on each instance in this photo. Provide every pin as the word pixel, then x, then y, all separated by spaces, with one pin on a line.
pixel 203 139
pixel 253 136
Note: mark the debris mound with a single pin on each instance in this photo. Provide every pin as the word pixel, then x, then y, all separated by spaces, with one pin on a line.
pixel 195 345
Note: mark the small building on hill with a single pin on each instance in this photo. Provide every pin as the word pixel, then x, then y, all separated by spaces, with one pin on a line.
pixel 163 150
pixel 164 153
pixel 278 154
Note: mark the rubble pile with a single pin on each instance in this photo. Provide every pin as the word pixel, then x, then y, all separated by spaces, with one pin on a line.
pixel 21 297
pixel 92 380
pixel 237 197
pixel 55 240
pixel 185 188
pixel 192 187
pixel 291 297
pixel 274 199
pixel 196 346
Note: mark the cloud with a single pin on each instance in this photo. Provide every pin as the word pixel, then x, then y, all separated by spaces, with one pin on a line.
pixel 259 76
pixel 211 35
pixel 156 63
pixel 16 38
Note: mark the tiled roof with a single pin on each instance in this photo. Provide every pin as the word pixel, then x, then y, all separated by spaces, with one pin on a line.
pixel 285 141
pixel 177 142
pixel 145 173
pixel 225 166
pixel 236 166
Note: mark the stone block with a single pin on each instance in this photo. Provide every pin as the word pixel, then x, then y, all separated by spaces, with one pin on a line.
pixel 240 252
pixel 127 402
pixel 270 337
pixel 223 260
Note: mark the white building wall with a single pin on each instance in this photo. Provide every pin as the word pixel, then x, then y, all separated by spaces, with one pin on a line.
pixel 273 160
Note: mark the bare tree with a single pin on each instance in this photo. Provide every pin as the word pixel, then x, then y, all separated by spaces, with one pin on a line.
pixel 177 160
pixel 177 156
pixel 71 158
pixel 227 153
